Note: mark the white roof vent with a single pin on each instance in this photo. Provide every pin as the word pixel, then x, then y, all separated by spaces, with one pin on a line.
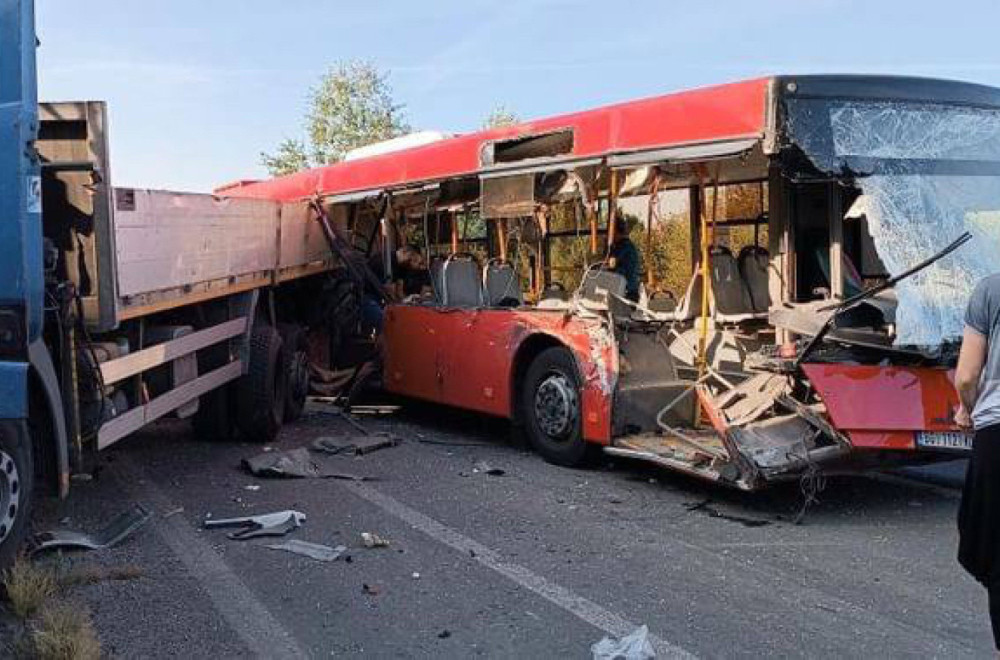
pixel 418 139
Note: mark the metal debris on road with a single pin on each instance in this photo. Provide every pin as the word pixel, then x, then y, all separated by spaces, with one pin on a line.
pixel 372 540
pixel 486 468
pixel 634 646
pixel 297 463
pixel 268 524
pixel 316 551
pixel 251 487
pixel 116 531
pixel 353 445
pixel 173 512
pixel 370 589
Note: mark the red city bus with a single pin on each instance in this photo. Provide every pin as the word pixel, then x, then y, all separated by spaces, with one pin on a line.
pixel 803 295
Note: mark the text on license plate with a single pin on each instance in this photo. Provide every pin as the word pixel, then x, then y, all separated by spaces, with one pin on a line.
pixel 944 440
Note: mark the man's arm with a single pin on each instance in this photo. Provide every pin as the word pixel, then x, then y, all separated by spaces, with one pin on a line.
pixel 971 360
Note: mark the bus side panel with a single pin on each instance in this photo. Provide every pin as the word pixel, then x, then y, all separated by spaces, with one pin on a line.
pixel 465 358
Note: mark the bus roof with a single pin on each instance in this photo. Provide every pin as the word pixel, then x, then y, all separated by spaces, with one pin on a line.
pixel 723 112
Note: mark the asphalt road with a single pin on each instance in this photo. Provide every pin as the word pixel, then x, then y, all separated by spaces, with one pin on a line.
pixel 539 562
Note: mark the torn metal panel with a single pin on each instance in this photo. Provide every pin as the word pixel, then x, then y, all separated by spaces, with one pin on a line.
pixel 114 533
pixel 268 524
pixel 316 551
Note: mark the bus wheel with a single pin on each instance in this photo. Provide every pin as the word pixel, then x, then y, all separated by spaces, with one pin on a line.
pixel 295 353
pixel 551 408
pixel 261 392
pixel 16 489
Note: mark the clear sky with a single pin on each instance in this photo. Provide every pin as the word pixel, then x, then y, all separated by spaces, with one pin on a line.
pixel 198 88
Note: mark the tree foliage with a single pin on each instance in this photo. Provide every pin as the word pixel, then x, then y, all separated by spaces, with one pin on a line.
pixel 500 116
pixel 352 106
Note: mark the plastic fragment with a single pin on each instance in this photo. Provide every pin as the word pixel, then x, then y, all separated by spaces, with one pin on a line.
pixel 634 646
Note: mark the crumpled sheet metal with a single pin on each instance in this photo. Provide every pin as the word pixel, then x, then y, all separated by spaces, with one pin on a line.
pixel 112 534
pixel 316 551
pixel 268 524
pixel 352 445
pixel 297 463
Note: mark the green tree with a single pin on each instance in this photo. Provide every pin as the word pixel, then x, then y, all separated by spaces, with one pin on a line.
pixel 352 106
pixel 500 116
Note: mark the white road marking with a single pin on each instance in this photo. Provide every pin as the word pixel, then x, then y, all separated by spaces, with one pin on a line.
pixel 581 607
pixel 263 635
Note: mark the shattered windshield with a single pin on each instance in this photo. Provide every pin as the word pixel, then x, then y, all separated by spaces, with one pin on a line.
pixel 927 173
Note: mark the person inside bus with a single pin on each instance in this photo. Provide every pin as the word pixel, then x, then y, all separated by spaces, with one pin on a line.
pixel 977 379
pixel 624 259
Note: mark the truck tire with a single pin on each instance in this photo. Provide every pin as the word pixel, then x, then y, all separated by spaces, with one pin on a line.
pixel 261 392
pixel 16 488
pixel 551 408
pixel 295 357
pixel 215 419
pixel 341 313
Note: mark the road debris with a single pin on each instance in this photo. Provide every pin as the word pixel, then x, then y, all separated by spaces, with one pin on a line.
pixel 296 463
pixel 706 507
pixel 251 487
pixel 353 445
pixel 372 540
pixel 486 468
pixel 370 589
pixel 444 634
pixel 634 646
pixel 173 512
pixel 315 551
pixel 268 524
pixel 415 576
pixel 116 531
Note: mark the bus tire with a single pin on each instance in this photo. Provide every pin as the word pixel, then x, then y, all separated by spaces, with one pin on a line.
pixel 16 488
pixel 261 392
pixel 295 357
pixel 552 410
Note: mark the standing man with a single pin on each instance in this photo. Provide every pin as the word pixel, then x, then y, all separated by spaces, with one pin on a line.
pixel 977 379
pixel 624 260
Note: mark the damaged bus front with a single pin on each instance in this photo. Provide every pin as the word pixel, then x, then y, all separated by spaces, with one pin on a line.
pixel 872 181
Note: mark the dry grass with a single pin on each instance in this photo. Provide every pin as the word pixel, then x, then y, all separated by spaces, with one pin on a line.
pixel 28 586
pixel 91 574
pixel 64 632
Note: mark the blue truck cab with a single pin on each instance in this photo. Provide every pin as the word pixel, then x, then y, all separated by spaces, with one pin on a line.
pixel 21 271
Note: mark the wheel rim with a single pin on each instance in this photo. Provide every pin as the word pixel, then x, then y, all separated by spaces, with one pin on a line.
pixel 556 406
pixel 10 494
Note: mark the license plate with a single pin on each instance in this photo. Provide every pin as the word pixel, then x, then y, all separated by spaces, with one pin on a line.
pixel 954 440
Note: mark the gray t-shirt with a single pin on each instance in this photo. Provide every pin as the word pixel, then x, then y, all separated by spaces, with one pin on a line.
pixel 983 316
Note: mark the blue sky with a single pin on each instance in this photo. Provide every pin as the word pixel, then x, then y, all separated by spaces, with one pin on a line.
pixel 197 89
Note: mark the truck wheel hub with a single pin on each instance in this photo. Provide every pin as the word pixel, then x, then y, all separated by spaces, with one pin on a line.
pixel 10 493
pixel 556 407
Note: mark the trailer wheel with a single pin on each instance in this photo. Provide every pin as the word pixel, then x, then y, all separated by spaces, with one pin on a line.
pixel 295 353
pixel 341 312
pixel 261 392
pixel 551 408
pixel 215 419
pixel 16 488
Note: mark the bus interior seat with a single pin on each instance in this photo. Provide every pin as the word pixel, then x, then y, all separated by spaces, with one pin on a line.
pixel 501 285
pixel 598 285
pixel 437 278
pixel 730 291
pixel 462 284
pixel 690 305
pixel 662 301
pixel 753 263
